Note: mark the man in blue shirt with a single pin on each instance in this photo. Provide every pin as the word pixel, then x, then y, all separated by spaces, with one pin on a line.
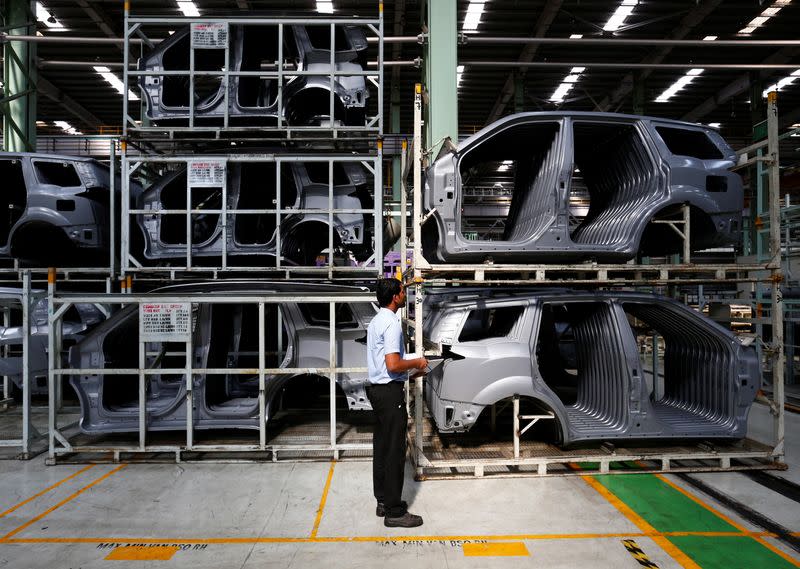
pixel 388 371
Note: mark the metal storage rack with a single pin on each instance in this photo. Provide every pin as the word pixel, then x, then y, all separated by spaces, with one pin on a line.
pixel 434 459
pixel 215 166
pixel 63 446
pixel 213 34
pixel 222 142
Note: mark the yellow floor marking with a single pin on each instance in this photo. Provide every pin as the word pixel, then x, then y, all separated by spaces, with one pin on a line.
pixel 679 556
pixel 61 503
pixel 323 500
pixel 638 554
pixel 735 524
pixel 46 490
pixel 512 549
pixel 139 553
pixel 375 539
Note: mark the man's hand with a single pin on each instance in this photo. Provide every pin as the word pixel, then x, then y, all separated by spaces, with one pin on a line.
pixel 396 364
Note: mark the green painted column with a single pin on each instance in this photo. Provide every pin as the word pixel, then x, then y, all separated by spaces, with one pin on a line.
pixel 19 80
pixel 441 117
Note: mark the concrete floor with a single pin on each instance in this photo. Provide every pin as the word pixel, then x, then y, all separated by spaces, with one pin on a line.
pixel 322 514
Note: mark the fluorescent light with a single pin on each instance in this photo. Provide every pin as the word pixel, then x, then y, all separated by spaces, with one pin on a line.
pixel 505 165
pixel 785 82
pixel 616 20
pixel 324 7
pixel 682 82
pixel 567 84
pixel 188 8
pixel 114 81
pixel 474 12
pixel 766 14
pixel 47 18
pixel 459 75
pixel 709 38
pixel 576 36
pixel 66 127
pixel 41 123
pixel 715 125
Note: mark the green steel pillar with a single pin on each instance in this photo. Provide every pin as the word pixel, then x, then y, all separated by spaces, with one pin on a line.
pixel 19 79
pixel 441 118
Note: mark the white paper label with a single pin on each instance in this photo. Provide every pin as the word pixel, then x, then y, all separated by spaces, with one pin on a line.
pixel 165 322
pixel 210 36
pixel 206 174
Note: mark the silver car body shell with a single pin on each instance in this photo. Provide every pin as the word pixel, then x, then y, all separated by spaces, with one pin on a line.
pixel 711 378
pixel 615 234
pixel 308 347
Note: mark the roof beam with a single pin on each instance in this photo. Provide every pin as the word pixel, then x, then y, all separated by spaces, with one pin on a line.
pixel 47 89
pixel 546 17
pixel 686 25
pixel 739 85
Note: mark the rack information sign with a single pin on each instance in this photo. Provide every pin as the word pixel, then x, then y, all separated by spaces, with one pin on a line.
pixel 210 36
pixel 165 322
pixel 206 173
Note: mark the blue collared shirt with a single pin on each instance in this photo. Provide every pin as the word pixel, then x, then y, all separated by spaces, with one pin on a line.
pixel 384 336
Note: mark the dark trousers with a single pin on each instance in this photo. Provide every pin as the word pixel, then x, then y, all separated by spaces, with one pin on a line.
pixel 389 444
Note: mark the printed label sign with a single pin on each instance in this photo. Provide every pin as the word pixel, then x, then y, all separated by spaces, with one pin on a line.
pixel 210 36
pixel 165 322
pixel 206 173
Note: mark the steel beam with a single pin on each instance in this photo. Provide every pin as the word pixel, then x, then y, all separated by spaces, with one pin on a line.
pixel 441 119
pixel 546 18
pixel 55 94
pixel 19 76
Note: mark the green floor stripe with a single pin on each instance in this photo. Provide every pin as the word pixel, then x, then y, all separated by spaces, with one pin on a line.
pixel 729 553
pixel 662 506
pixel 668 510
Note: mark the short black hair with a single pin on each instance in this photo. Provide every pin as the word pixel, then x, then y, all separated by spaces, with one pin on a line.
pixel 386 290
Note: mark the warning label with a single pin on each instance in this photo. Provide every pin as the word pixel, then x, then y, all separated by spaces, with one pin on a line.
pixel 210 36
pixel 206 174
pixel 165 322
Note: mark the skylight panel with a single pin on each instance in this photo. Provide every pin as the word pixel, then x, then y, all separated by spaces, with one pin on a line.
pixel 678 85
pixel 763 18
pixel 472 20
pixel 188 8
pixel 619 16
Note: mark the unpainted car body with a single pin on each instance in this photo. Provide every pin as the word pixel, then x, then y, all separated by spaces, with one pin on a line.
pixel 305 98
pixel 75 322
pixel 224 336
pixel 580 355
pixel 580 186
pixel 252 186
pixel 53 206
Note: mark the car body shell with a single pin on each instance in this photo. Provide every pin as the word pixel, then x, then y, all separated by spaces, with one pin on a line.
pixel 710 378
pixel 643 181
pixel 307 346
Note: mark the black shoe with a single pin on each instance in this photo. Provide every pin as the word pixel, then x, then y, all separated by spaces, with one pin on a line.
pixel 407 520
pixel 380 510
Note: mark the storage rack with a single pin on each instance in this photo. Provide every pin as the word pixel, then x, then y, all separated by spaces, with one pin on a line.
pixel 435 459
pixel 224 142
pixel 65 446
pixel 214 33
pixel 131 260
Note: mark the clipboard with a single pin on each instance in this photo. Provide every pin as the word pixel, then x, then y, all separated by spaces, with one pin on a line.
pixel 433 363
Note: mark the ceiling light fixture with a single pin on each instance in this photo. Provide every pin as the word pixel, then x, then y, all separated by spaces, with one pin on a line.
pixel 475 10
pixel 616 20
pixel 47 18
pixel 566 85
pixel 762 18
pixel 709 38
pixel 785 82
pixel 188 8
pixel 673 89
pixel 576 36
pixel 325 7
pixel 715 125
pixel 459 75
pixel 66 127
pixel 115 82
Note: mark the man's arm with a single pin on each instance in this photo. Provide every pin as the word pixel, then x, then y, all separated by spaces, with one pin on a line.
pixel 396 364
